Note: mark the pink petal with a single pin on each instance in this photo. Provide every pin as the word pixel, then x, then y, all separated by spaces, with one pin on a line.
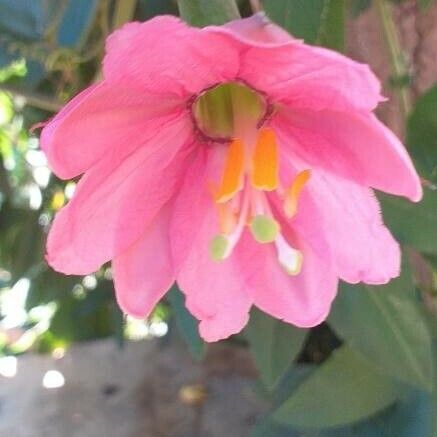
pixel 114 203
pixel 143 273
pixel 101 119
pixel 354 145
pixel 256 29
pixel 297 74
pixel 216 292
pixel 303 300
pixel 362 247
pixel 164 56
pixel 303 76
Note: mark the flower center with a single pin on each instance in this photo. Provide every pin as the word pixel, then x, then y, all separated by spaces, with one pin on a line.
pixel 234 114
pixel 218 112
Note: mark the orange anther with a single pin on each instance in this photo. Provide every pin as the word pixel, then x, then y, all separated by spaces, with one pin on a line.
pixel 232 179
pixel 265 161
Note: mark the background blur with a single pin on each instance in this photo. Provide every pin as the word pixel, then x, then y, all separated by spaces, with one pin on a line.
pixel 72 365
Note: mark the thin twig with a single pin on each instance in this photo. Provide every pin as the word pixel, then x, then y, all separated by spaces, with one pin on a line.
pixel 5 186
pixel 417 51
pixel 124 12
pixel 34 99
pixel 395 54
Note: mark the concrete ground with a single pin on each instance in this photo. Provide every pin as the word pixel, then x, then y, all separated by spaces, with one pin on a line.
pixel 146 389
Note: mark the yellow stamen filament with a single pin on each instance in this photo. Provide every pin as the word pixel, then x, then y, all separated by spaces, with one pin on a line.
pixel 232 179
pixel 222 245
pixel 293 193
pixel 227 218
pixel 265 161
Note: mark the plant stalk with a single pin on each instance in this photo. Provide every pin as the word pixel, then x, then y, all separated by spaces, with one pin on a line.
pixel 396 55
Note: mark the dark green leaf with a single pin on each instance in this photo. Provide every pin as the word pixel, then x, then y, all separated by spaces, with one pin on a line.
pixel 294 376
pixel 422 135
pixel 147 9
pixel 386 324
pixel 186 323
pixel 332 29
pixel 302 18
pixel 50 286
pixel 274 345
pixel 268 428
pixel 411 416
pixel 413 224
pixel 21 240
pixel 87 317
pixel 204 12
pixel 344 389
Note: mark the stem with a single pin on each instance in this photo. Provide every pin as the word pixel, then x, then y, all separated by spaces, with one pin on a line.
pixel 34 99
pixel 255 6
pixel 5 186
pixel 399 69
pixel 124 12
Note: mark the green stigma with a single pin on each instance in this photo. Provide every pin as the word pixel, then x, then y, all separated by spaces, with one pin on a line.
pixel 218 247
pixel 264 229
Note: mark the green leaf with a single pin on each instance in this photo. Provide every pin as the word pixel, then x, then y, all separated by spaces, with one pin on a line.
pixel 292 378
pixel 267 428
pixel 186 323
pixel 332 29
pixel 386 324
pixel 302 18
pixel 274 345
pixel 411 416
pixel 344 389
pixel 85 318
pixel 21 240
pixel 204 12
pixel 422 134
pixel 148 9
pixel 413 224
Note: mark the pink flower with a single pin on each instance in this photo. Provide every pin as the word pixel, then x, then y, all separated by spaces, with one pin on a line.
pixel 235 160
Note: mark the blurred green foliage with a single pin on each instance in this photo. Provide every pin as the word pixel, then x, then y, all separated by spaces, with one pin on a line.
pixel 368 371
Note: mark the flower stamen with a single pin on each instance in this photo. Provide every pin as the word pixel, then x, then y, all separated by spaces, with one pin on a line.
pixel 233 174
pixel 265 161
pixel 227 217
pixel 264 229
pixel 252 168
pixel 293 192
pixel 222 245
pixel 289 258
